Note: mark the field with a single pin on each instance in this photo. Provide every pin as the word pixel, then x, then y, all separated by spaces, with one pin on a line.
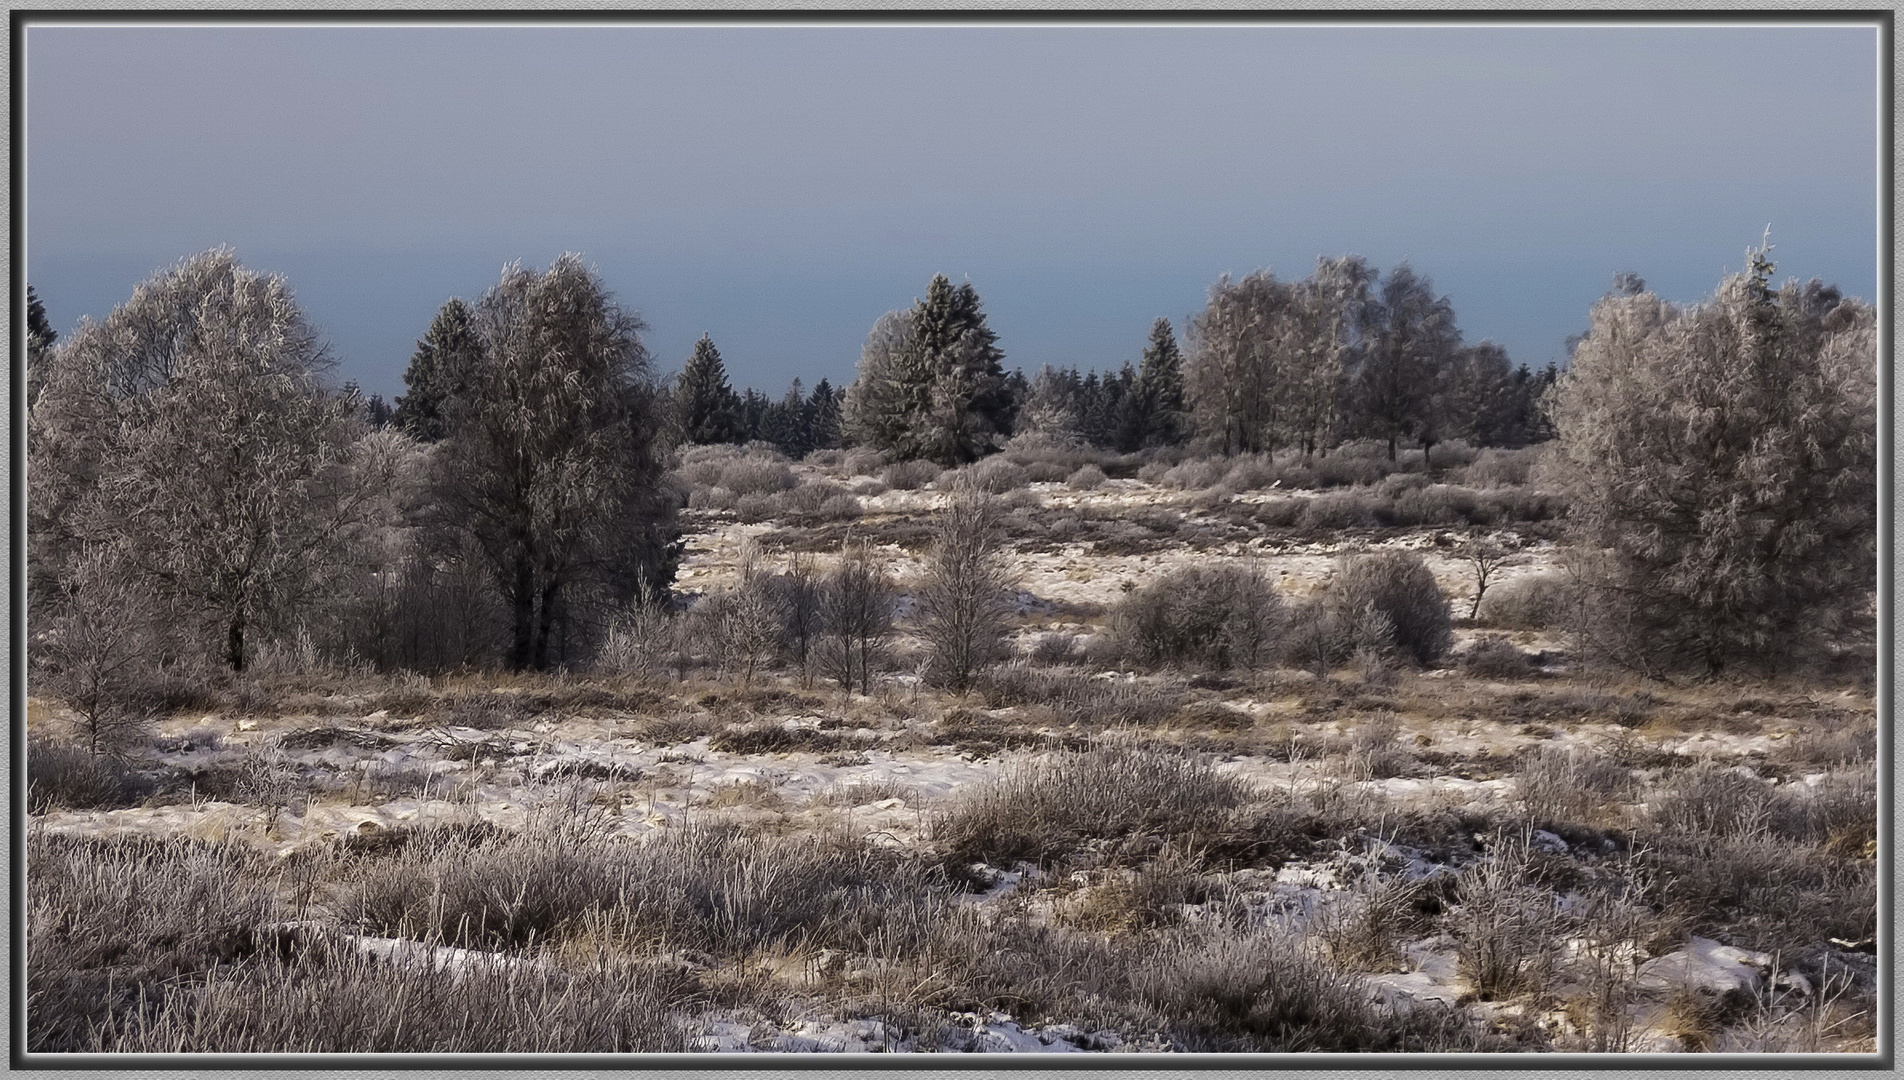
pixel 1504 850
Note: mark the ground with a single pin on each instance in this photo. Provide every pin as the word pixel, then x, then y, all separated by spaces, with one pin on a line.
pixel 1342 826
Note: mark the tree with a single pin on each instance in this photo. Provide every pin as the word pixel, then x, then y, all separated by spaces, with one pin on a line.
pixel 930 382
pixel 191 426
pixel 1398 374
pixel 856 604
pixel 98 649
pixel 1477 399
pixel 823 419
pixel 1159 398
pixel 551 465
pixel 40 337
pixel 709 408
pixel 1241 362
pixel 1722 464
pixel 1334 313
pixel 438 371
pixel 963 599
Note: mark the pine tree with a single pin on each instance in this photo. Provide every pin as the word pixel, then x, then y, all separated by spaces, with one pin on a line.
pixel 1159 398
pixel 823 417
pixel 439 371
pixel 1722 464
pixel 39 338
pixel 709 408
pixel 930 383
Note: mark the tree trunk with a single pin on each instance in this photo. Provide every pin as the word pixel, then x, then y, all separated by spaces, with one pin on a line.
pixel 1391 446
pixel 522 616
pixel 545 627
pixel 235 643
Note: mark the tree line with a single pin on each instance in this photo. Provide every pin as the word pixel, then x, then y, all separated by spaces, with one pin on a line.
pixel 197 484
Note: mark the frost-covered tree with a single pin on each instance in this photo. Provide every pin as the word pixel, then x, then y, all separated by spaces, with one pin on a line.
pixel 930 383
pixel 191 431
pixel 963 596
pixel 1159 402
pixel 40 336
pixel 710 411
pixel 438 369
pixel 1398 374
pixel 551 465
pixel 1242 362
pixel 1334 312
pixel 1722 463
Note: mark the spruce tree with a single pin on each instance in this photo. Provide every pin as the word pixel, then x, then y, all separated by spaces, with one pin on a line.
pixel 709 408
pixel 439 371
pixel 39 338
pixel 1160 388
pixel 823 417
pixel 931 383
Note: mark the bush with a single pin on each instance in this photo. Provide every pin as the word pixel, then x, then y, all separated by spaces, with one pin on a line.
pixel 910 475
pixel 1534 602
pixel 62 775
pixel 1501 468
pixel 1506 928
pixel 995 475
pixel 1087 478
pixel 1042 811
pixel 1196 474
pixel 1080 699
pixel 1495 657
pixel 1560 786
pixel 1223 616
pixel 1400 587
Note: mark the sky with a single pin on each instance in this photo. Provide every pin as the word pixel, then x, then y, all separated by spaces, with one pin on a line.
pixel 780 187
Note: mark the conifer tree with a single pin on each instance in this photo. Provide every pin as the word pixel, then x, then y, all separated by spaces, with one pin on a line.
pixel 439 370
pixel 1159 399
pixel 39 338
pixel 823 417
pixel 930 383
pixel 1722 464
pixel 710 411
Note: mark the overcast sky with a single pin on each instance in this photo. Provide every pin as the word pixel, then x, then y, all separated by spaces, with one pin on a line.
pixel 781 187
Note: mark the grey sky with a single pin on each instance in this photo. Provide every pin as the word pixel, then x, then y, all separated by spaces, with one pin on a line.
pixel 780 188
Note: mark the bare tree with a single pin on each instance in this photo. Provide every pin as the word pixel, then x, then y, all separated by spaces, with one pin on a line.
pixel 98 649
pixel 857 608
pixel 964 599
pixel 1334 310
pixel 1242 362
pixel 804 613
pixel 191 425
pixel 749 617
pixel 550 464
pixel 1486 558
pixel 1722 465
pixel 1398 374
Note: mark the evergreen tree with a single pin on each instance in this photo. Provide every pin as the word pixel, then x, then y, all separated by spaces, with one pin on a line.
pixel 1722 463
pixel 1159 403
pixel 377 412
pixel 788 423
pixel 931 384
pixel 710 411
pixel 39 338
pixel 439 370
pixel 823 416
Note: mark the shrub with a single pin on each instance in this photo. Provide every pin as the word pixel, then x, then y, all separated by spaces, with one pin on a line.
pixel 61 775
pixel 1493 468
pixel 964 599
pixel 1533 602
pixel 1270 990
pixel 1087 478
pixel 1224 616
pixel 1562 786
pixel 910 475
pixel 1041 811
pixel 1195 474
pixel 1505 927
pixel 1400 587
pixel 995 475
pixel 1495 657
pixel 1080 699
